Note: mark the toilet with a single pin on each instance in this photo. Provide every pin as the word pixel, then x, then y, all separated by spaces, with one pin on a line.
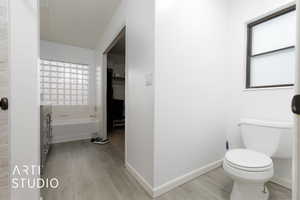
pixel 250 168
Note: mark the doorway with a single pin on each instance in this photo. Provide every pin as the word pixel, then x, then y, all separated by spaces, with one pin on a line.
pixel 114 89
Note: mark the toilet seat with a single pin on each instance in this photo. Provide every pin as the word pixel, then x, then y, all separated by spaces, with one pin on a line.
pixel 250 171
pixel 248 166
pixel 248 160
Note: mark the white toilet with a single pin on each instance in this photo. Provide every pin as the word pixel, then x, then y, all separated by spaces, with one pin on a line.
pixel 252 167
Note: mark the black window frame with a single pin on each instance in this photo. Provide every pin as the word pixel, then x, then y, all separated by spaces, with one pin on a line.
pixel 249 47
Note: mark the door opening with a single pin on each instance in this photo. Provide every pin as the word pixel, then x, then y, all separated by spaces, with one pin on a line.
pixel 113 92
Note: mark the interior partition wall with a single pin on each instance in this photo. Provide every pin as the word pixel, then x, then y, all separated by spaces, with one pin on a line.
pixel 24 99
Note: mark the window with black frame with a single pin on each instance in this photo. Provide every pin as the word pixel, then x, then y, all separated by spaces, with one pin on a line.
pixel 271 50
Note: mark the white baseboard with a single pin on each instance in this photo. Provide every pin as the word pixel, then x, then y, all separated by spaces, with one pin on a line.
pixel 140 179
pixel 282 182
pixel 160 190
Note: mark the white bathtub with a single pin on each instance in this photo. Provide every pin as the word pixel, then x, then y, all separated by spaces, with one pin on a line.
pixel 66 130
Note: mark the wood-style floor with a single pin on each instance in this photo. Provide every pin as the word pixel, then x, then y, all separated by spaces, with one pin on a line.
pixel 93 172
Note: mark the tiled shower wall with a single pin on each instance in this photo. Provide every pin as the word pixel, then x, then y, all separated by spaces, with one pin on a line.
pixel 4 92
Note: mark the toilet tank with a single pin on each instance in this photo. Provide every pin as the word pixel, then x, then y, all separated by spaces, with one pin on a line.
pixel 271 138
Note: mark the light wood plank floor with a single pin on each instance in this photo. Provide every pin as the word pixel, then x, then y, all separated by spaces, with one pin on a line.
pixel 92 172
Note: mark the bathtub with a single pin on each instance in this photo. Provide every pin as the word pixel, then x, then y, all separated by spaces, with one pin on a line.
pixel 67 130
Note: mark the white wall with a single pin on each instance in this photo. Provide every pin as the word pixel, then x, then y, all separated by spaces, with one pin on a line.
pixel 140 61
pixel 259 104
pixel 24 91
pixel 139 18
pixel 72 54
pixel 196 52
pixel 190 86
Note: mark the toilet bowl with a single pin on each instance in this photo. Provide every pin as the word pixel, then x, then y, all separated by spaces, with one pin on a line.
pixel 250 168
pixel 250 171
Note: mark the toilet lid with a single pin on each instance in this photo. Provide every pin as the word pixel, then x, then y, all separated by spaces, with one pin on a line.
pixel 248 158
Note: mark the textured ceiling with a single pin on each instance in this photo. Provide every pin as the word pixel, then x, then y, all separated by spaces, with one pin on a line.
pixel 75 22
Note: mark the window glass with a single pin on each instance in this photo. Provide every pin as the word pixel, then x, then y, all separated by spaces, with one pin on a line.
pixel 60 82
pixel 271 50
pixel 280 64
pixel 274 34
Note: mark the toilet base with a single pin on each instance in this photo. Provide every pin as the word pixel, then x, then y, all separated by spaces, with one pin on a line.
pixel 249 191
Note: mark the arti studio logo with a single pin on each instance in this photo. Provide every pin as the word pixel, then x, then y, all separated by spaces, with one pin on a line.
pixel 28 177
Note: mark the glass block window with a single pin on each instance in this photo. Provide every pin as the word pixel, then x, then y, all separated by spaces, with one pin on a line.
pixel 64 83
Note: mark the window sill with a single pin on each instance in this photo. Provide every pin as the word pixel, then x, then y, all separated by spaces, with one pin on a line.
pixel 268 88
